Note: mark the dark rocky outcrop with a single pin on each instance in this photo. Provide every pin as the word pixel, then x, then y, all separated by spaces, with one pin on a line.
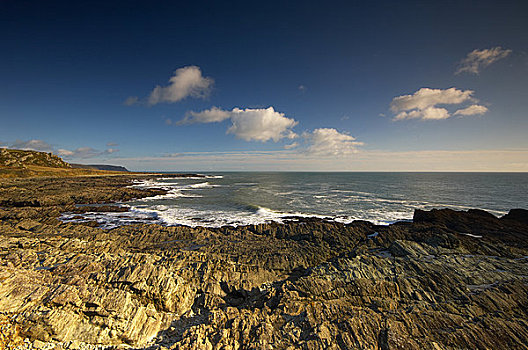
pixel 449 280
pixel 520 215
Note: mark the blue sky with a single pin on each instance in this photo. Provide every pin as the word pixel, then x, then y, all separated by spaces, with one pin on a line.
pixel 389 86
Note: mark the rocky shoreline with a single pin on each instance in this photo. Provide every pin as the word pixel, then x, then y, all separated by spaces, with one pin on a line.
pixel 448 280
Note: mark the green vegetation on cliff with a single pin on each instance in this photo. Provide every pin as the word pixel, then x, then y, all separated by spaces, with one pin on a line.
pixel 22 159
pixel 16 163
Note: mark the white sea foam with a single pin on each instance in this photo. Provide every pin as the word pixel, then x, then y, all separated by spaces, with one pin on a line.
pixel 171 215
pixel 252 199
pixel 189 177
pixel 172 194
pixel 149 184
pixel 202 185
pixel 376 217
pixel 218 218
pixel 175 189
pixel 275 215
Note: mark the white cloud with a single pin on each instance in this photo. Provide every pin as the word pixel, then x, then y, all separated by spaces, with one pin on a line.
pixel 81 152
pixel 291 145
pixel 423 103
pixel 302 88
pixel 330 142
pixel 261 125
pixel 426 97
pixel 34 145
pixel 65 153
pixel 111 144
pixel 366 160
pixel 186 81
pixel 478 59
pixel 173 155
pixel 429 113
pixel 85 152
pixel 472 110
pixel 212 115
pixel 132 100
pixel 250 124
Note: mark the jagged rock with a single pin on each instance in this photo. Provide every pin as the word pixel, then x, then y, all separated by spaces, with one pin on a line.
pixel 449 280
pixel 456 220
pixel 520 215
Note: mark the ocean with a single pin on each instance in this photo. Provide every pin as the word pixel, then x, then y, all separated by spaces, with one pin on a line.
pixel 242 198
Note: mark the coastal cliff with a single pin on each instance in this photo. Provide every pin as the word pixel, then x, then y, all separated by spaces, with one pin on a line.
pixel 100 167
pixel 23 159
pixel 15 163
pixel 448 280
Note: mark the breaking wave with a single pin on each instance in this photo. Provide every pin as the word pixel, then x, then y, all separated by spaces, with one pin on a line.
pixel 236 199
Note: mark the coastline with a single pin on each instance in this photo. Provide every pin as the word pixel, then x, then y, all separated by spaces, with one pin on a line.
pixel 447 280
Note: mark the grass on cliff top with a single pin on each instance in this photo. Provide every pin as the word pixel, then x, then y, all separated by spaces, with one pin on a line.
pixel 22 158
pixel 41 171
pixel 15 163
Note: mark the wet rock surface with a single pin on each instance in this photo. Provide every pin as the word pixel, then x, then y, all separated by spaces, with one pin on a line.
pixel 449 280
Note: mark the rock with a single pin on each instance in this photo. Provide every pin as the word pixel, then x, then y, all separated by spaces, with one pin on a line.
pixel 37 344
pixel 9 333
pixel 464 221
pixel 520 215
pixel 407 248
pixel 430 284
pixel 23 158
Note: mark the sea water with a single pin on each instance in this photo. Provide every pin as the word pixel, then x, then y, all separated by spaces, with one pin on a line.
pixel 242 198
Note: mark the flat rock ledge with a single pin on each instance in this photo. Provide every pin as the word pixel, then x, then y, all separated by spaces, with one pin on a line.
pixel 448 280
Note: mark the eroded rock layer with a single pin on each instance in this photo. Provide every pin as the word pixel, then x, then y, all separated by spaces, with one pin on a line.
pixel 449 280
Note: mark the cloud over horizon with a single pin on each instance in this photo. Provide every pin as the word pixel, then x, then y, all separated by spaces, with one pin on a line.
pixel 81 152
pixel 85 152
pixel 367 160
pixel 261 125
pixel 423 104
pixel 478 59
pixel 264 124
pixel 250 124
pixel 32 145
pixel 291 145
pixel 330 142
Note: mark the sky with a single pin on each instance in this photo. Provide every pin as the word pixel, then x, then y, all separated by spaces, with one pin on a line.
pixel 268 86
